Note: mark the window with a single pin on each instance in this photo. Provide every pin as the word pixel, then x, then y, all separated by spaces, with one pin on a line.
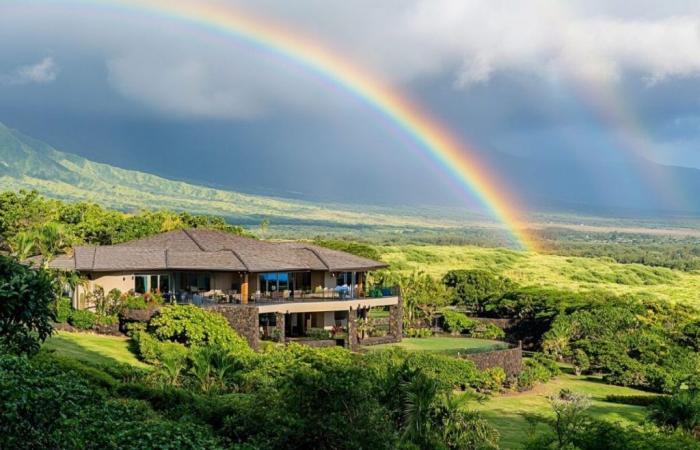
pixel 151 283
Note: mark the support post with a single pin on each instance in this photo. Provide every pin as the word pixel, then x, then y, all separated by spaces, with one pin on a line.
pixel 353 343
pixel 396 318
pixel 244 289
pixel 280 319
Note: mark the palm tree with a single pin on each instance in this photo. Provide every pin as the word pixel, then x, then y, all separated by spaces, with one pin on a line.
pixel 23 245
pixel 419 393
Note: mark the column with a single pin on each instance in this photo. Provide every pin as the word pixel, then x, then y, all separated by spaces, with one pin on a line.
pixel 280 325
pixel 244 289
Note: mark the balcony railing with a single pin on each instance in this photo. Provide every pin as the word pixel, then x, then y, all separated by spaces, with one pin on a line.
pixel 327 294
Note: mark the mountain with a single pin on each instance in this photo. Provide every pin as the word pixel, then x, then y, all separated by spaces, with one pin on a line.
pixel 27 163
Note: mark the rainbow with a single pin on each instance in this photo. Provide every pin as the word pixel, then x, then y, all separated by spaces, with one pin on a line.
pixel 460 162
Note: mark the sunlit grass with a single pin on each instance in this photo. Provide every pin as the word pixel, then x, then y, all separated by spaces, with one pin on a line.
pixel 93 348
pixel 533 269
pixel 508 412
pixel 442 344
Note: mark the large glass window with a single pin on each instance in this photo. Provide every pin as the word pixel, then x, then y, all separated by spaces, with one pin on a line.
pixel 151 283
pixel 192 281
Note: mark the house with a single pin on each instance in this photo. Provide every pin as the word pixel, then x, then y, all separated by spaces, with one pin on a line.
pixel 259 286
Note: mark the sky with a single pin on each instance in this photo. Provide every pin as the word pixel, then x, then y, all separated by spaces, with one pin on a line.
pixel 591 82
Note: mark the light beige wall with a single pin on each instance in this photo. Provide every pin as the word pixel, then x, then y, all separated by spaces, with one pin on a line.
pixel 122 281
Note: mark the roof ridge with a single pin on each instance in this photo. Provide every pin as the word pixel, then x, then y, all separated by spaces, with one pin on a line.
pixel 189 235
pixel 235 253
pixel 317 256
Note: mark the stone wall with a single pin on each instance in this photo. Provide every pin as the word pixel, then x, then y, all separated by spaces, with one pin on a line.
pixel 280 325
pixel 352 330
pixel 396 319
pixel 388 339
pixel 243 319
pixel 510 360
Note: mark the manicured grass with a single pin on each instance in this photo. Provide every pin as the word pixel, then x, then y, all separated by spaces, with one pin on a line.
pixel 534 269
pixel 93 348
pixel 443 344
pixel 508 412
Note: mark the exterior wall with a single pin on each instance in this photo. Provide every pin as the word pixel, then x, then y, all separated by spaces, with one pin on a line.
pixel 114 280
pixel 253 283
pixel 328 320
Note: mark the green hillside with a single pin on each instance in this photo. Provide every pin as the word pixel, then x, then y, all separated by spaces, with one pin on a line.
pixel 26 163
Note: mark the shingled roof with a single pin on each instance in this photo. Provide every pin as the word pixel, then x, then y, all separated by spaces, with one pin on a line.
pixel 197 249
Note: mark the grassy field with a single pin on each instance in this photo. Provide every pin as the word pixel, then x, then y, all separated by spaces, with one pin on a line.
pixel 508 412
pixel 93 348
pixel 440 344
pixel 528 269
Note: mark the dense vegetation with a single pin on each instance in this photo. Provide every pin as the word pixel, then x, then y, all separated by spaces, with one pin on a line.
pixel 33 225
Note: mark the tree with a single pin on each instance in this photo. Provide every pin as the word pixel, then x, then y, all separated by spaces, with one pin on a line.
pixel 475 287
pixel 27 297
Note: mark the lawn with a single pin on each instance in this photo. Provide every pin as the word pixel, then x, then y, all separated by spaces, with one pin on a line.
pixel 508 412
pixel 443 344
pixel 534 269
pixel 93 348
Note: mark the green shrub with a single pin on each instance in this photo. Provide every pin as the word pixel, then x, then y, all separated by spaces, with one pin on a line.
pixel 456 322
pixel 107 320
pixel 417 332
pixel 581 361
pixel 191 325
pixel 134 302
pixel 27 299
pixel 538 369
pixel 635 400
pixel 63 309
pixel 318 333
pixel 153 351
pixel 82 319
pixel 482 330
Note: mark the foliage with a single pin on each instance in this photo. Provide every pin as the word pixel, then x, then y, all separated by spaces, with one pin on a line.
pixel 635 343
pixel 63 309
pixel 82 319
pixel 191 325
pixel 354 248
pixel 422 295
pixel 417 332
pixel 573 428
pixel 636 400
pixel 27 299
pixel 34 225
pixel 473 288
pixel 538 369
pixel 86 420
pixel 456 322
pixel 679 411
pixel 318 333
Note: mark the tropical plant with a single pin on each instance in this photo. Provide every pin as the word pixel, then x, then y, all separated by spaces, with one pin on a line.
pixel 27 299
pixel 678 411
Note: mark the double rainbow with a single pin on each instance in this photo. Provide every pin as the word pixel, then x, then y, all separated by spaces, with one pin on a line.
pixel 460 162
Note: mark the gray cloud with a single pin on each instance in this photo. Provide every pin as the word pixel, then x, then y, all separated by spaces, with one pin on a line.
pixel 44 71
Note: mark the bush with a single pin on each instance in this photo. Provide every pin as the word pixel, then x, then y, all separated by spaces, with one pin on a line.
pixel 581 361
pixel 538 369
pixel 191 325
pixel 679 411
pixel 110 319
pixel 134 302
pixel 153 351
pixel 635 400
pixel 417 332
pixel 482 330
pixel 27 299
pixel 456 322
pixel 318 333
pixel 63 309
pixel 83 319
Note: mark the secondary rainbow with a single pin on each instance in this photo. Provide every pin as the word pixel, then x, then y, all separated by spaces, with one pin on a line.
pixel 457 160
